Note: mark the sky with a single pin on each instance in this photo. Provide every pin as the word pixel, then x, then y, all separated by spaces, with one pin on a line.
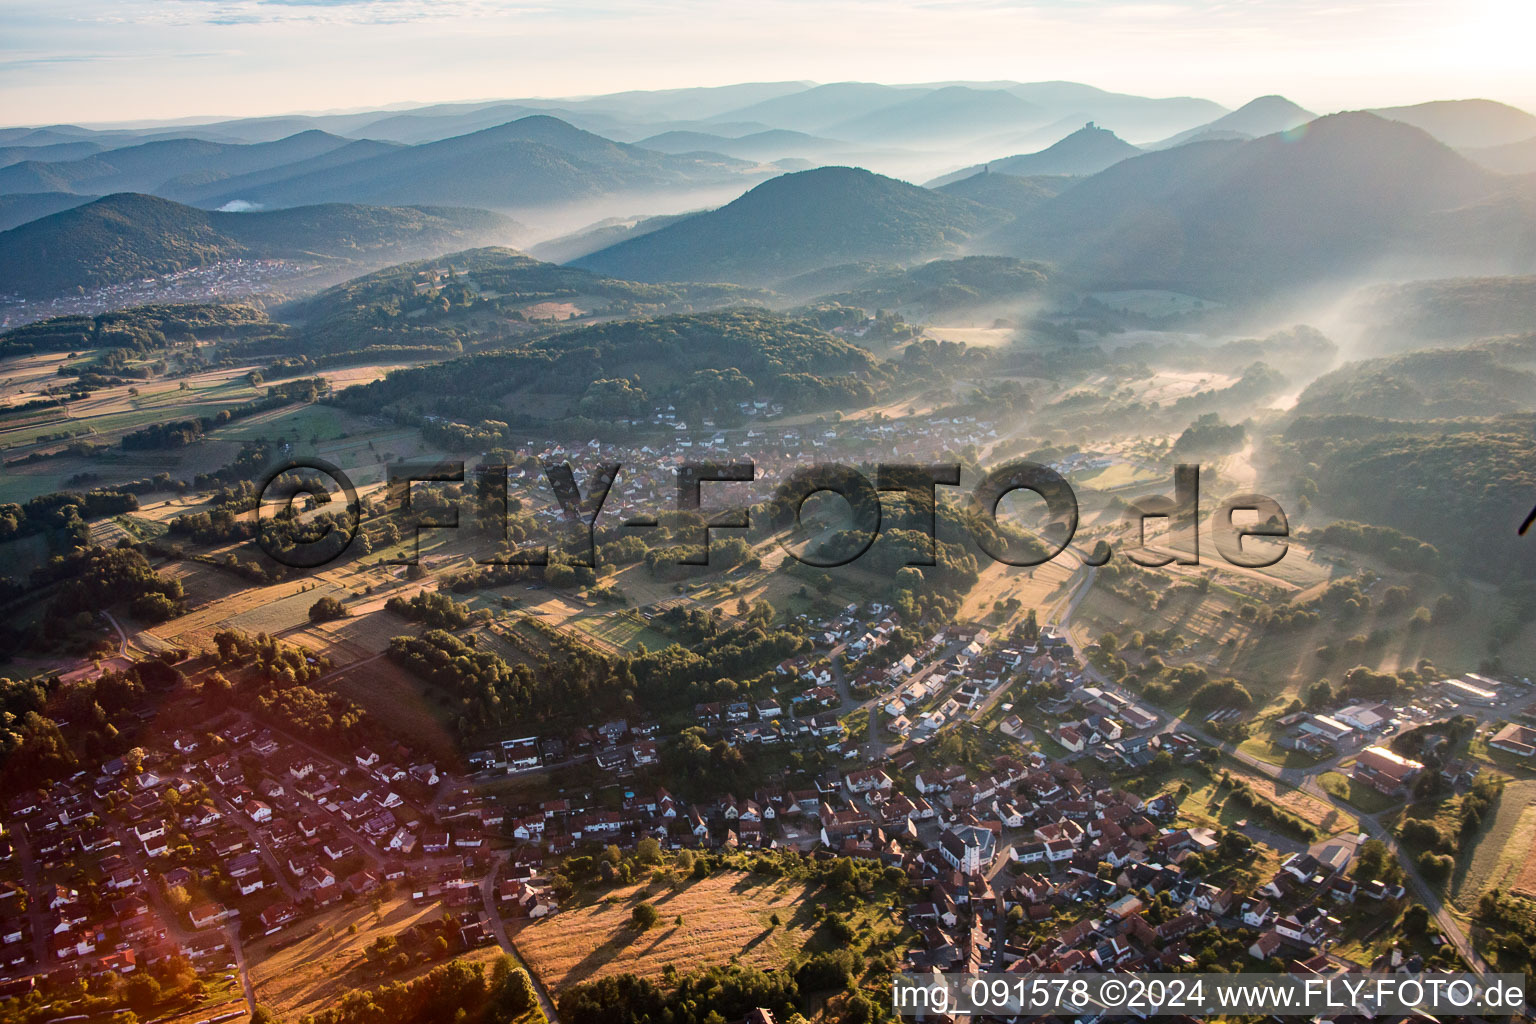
pixel 115 60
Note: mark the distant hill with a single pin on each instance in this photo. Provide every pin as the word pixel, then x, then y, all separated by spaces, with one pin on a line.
pixel 1088 150
pixel 1134 117
pixel 793 224
pixel 533 161
pixel 1466 123
pixel 125 237
pixel 1254 119
pixel 198 190
pixel 56 151
pixel 16 210
pixel 775 144
pixel 675 142
pixel 1222 218
pixel 150 166
pixel 1511 158
pixel 954 113
pixel 815 108
pixel 1007 192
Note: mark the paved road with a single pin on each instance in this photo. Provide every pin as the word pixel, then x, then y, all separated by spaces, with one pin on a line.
pixel 232 935
pixel 499 928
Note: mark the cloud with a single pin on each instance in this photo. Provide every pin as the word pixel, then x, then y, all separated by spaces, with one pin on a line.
pixel 40 60
pixel 338 12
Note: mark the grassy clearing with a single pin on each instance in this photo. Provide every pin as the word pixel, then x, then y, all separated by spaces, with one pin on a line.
pixel 726 917
pixel 1264 747
pixel 620 630
pixel 1120 474
pixel 1356 794
pixel 1206 805
pixel 400 703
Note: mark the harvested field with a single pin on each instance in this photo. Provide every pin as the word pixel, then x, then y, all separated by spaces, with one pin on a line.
pixel 725 917
pixel 329 960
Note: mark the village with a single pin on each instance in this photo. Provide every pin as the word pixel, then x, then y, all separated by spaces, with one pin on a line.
pixel 237 833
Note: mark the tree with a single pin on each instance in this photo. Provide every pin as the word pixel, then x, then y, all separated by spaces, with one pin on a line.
pixel 143 993
pixel 1436 867
pixel 644 916
pixel 1415 920
pixel 326 609
pixel 512 987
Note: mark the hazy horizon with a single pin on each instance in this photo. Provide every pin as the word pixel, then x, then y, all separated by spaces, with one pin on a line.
pixel 99 62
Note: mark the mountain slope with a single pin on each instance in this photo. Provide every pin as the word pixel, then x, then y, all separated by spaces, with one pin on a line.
pixel 605 233
pixel 1510 158
pixel 793 224
pixel 1088 150
pixel 1254 119
pixel 1006 192
pixel 528 162
pixel 1466 123
pixel 197 192
pixel 126 237
pixel 148 167
pixel 1339 195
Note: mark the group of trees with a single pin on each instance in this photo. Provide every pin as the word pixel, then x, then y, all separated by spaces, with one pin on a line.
pixel 1393 547
pixel 90 579
pixel 705 997
pixel 275 680
pixel 35 748
pixel 1438 844
pixel 1208 435
pixel 1511 923
pixel 434 609
pixel 457 991
pixel 63 512
pixel 491 693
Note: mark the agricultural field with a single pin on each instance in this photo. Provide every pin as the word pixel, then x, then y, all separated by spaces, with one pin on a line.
pixel 112 411
pixel 726 916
